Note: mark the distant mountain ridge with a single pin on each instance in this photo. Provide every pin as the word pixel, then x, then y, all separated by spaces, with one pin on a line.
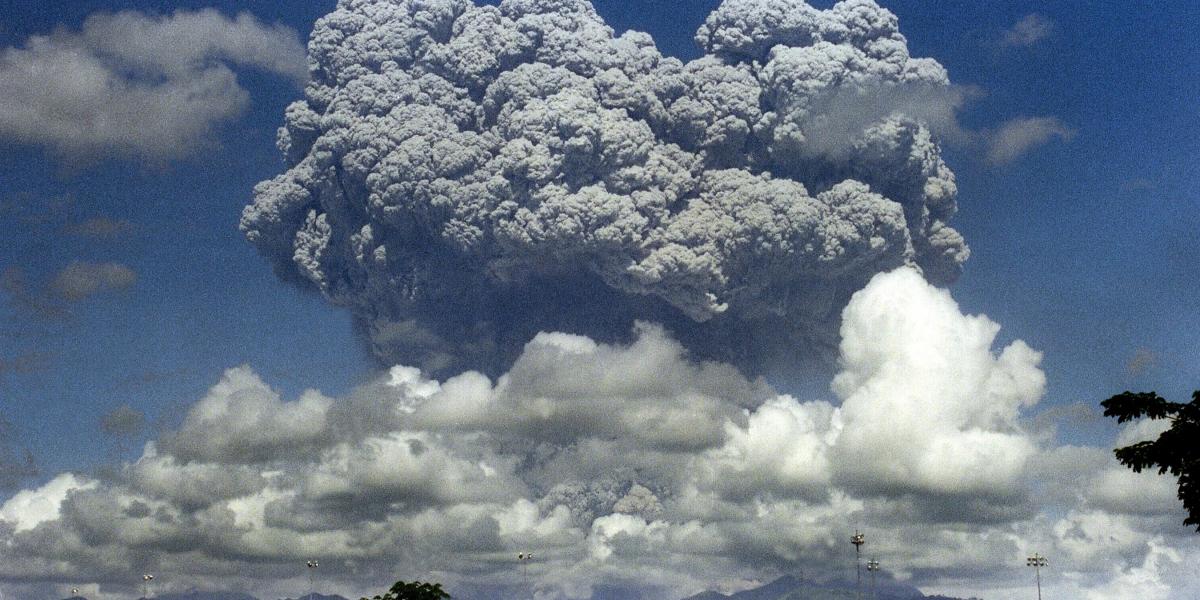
pixel 315 596
pixel 197 595
pixel 789 587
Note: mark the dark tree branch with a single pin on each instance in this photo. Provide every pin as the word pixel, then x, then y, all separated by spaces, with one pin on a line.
pixel 1128 406
pixel 1176 451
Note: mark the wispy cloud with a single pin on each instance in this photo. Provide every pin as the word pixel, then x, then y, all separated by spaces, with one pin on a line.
pixel 77 282
pixel 82 280
pixel 146 379
pixel 29 208
pixel 27 299
pixel 152 87
pixel 123 421
pixel 1143 360
pixel 100 228
pixel 1138 184
pixel 1018 136
pixel 23 364
pixel 1030 30
pixel 16 460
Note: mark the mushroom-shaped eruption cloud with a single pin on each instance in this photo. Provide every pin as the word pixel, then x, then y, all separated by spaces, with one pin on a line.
pixel 461 177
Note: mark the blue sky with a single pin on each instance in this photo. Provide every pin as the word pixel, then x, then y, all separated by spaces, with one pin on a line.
pixel 1083 240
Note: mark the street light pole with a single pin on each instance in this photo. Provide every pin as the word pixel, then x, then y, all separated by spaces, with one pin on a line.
pixel 873 567
pixel 1037 561
pixel 312 573
pixel 146 579
pixel 525 557
pixel 858 540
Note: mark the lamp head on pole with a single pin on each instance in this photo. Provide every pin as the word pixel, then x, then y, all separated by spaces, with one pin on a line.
pixel 858 539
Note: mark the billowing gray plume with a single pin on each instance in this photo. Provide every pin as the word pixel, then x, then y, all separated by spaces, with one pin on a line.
pixel 463 176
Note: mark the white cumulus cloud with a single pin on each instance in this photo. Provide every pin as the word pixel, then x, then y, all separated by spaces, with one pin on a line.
pixel 146 86
pixel 27 509
pixel 928 406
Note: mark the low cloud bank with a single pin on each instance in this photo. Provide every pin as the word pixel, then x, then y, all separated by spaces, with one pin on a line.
pixel 631 465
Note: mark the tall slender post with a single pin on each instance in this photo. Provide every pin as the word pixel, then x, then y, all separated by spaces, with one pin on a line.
pixel 312 578
pixel 858 540
pixel 1037 561
pixel 873 567
pixel 525 557
pixel 146 579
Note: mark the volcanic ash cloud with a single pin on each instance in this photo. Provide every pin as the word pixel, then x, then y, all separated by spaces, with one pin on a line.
pixel 462 177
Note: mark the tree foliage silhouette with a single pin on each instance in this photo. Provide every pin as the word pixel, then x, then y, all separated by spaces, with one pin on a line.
pixel 414 590
pixel 1177 450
